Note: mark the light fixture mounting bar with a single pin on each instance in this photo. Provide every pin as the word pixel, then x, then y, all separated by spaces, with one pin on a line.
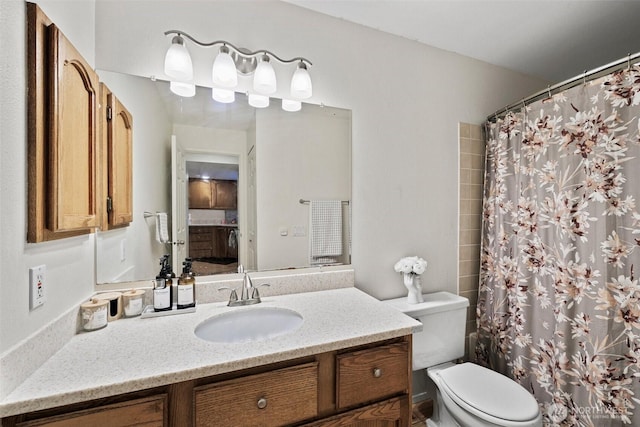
pixel 241 52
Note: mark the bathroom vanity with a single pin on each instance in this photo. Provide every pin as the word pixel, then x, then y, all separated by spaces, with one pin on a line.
pixel 348 364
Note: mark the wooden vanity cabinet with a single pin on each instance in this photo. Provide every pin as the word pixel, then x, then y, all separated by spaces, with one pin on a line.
pixel 364 386
pixel 210 241
pixel 200 241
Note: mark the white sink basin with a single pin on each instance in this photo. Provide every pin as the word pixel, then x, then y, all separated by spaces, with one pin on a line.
pixel 250 324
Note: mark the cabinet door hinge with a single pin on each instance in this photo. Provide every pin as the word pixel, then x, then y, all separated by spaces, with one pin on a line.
pixel 109 112
pixel 109 204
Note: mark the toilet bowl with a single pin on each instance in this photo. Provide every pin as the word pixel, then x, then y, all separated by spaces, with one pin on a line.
pixel 467 395
pixel 470 395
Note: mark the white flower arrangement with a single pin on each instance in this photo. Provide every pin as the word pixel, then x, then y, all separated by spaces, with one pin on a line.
pixel 411 265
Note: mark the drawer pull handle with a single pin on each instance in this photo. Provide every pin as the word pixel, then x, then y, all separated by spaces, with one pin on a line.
pixel 377 372
pixel 262 403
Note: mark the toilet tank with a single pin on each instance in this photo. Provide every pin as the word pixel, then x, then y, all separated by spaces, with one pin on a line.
pixel 443 316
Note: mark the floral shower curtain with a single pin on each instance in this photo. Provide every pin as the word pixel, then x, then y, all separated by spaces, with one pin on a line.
pixel 559 298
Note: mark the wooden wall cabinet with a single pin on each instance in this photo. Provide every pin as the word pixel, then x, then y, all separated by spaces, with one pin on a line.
pixel 200 194
pixel 213 194
pixel 365 386
pixel 226 194
pixel 116 160
pixel 64 140
pixel 73 137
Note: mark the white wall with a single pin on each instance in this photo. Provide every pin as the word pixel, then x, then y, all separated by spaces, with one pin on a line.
pixel 152 164
pixel 405 115
pixel 292 164
pixel 70 262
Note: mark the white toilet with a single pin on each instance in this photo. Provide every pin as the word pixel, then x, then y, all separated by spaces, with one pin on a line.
pixel 467 395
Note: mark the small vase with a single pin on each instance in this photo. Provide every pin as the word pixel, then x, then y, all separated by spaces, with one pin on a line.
pixel 414 286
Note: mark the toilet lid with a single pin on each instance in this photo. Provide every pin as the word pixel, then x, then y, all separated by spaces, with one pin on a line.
pixel 488 392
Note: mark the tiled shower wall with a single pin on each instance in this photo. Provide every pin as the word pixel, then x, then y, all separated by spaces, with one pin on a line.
pixel 471 183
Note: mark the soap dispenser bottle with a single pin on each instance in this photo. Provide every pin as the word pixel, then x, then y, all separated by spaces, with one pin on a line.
pixel 186 286
pixel 161 294
pixel 169 280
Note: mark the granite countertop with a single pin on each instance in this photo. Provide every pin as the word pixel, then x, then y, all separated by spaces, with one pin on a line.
pixel 135 353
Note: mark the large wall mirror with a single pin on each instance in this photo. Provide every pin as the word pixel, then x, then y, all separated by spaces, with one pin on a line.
pixel 249 179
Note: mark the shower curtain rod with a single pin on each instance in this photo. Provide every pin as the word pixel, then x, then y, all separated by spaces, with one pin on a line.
pixel 569 83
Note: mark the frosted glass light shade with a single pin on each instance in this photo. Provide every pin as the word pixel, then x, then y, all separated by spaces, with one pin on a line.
pixel 224 71
pixel 264 79
pixel 258 101
pixel 291 105
pixel 183 89
pixel 301 87
pixel 177 61
pixel 225 96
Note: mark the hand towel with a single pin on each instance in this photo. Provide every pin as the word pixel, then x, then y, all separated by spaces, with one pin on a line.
pixel 162 228
pixel 326 230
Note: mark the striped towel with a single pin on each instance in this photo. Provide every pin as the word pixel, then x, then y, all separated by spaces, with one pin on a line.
pixel 326 231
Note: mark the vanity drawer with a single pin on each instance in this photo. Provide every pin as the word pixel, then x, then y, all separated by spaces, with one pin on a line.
pixel 199 245
pixel 201 237
pixel 274 398
pixel 150 412
pixel 372 374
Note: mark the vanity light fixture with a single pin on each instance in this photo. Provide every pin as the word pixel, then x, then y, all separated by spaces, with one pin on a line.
pixel 186 90
pixel 224 72
pixel 291 105
pixel 177 61
pixel 258 101
pixel 231 61
pixel 225 96
pixel 301 87
pixel 264 79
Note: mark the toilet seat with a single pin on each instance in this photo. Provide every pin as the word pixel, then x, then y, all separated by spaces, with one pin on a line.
pixel 488 395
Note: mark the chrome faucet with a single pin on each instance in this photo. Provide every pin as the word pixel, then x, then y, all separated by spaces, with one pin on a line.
pixel 249 294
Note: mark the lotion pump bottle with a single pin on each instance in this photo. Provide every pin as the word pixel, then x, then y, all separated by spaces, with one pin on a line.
pixel 161 294
pixel 186 286
pixel 169 276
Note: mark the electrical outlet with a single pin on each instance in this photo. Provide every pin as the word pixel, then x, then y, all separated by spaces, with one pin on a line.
pixel 37 286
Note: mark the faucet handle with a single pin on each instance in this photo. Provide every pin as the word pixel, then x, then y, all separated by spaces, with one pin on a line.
pixel 255 294
pixel 233 296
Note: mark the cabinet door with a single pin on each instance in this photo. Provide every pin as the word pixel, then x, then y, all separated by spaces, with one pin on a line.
pixel 200 194
pixel 226 193
pixel 200 242
pixel 73 132
pixel 220 242
pixel 119 164
pixel 390 413
pixel 148 412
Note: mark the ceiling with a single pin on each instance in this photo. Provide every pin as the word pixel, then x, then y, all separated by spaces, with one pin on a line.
pixel 552 40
